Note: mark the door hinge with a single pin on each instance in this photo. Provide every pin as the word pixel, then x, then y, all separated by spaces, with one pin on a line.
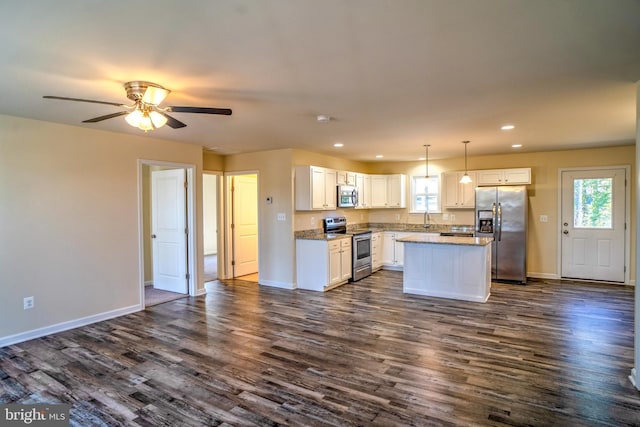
pixel 188 276
pixel 186 184
pixel 233 263
pixel 186 231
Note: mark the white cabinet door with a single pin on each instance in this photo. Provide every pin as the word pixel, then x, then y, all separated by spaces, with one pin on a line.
pixel 345 259
pixel 378 191
pixel 396 185
pixel 388 248
pixel 318 193
pixel 521 176
pixel 363 183
pixel 335 262
pixel 330 190
pixel 376 250
pixel 457 195
pixel 516 176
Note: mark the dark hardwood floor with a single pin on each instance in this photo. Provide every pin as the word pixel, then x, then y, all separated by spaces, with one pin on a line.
pixel 545 354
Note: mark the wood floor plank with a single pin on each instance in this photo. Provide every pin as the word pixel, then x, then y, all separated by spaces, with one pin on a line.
pixel 545 354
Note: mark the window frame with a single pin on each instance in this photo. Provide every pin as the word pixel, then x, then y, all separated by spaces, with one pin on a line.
pixel 413 194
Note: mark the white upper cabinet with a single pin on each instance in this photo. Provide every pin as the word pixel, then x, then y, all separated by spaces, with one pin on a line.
pixel 346 178
pixel 316 188
pixel 388 191
pixel 516 176
pixel 456 195
pixel 363 184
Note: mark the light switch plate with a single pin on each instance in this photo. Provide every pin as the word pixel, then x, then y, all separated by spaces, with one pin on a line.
pixel 282 216
pixel 543 218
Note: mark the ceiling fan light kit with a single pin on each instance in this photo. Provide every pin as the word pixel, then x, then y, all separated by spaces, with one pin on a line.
pixel 145 113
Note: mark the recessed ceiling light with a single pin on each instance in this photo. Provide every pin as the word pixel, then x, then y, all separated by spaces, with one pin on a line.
pixel 338 144
pixel 379 156
pixel 422 158
pixel 516 145
pixel 323 118
pixel 507 127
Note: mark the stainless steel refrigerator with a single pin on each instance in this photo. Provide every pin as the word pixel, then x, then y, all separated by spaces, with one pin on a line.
pixel 501 213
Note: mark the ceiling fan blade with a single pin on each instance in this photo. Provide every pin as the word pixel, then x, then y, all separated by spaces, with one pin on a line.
pixel 203 110
pixel 172 122
pixel 108 116
pixel 84 100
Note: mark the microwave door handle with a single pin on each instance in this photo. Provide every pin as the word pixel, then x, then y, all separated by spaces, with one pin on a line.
pixel 354 197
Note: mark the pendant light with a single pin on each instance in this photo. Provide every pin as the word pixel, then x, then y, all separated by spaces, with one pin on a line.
pixel 466 179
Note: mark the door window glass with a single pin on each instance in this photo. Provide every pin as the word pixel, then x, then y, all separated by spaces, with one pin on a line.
pixel 592 202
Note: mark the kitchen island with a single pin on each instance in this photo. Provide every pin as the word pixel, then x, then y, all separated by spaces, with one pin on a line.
pixel 447 267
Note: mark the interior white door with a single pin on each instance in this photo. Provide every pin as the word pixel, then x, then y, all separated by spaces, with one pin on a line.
pixel 593 224
pixel 168 222
pixel 245 224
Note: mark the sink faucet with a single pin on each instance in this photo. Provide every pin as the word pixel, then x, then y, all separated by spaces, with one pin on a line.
pixel 426 222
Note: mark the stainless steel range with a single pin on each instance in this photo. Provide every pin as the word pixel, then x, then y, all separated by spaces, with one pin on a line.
pixel 360 243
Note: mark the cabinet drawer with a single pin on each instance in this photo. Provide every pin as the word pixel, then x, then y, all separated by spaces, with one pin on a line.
pixel 334 245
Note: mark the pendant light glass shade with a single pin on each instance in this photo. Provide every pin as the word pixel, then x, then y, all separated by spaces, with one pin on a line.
pixel 466 179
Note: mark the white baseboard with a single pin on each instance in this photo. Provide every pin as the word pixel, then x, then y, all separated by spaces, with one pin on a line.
pixel 634 379
pixel 535 275
pixel 148 283
pixel 273 283
pixel 65 326
pixel 200 292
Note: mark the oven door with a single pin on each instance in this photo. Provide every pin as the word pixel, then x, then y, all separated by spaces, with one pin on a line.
pixel 361 256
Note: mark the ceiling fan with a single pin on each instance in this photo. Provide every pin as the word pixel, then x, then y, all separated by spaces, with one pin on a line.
pixel 145 113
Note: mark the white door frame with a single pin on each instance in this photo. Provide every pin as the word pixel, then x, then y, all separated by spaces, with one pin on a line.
pixel 191 224
pixel 220 224
pixel 228 255
pixel 627 217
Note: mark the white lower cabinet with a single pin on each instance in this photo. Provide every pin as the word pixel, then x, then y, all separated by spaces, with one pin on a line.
pixel 323 264
pixel 376 251
pixel 393 251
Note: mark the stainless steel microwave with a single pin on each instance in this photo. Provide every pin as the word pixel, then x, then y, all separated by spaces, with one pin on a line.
pixel 347 196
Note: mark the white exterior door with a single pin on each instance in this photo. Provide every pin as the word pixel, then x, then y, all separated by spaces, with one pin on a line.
pixel 245 224
pixel 168 224
pixel 593 224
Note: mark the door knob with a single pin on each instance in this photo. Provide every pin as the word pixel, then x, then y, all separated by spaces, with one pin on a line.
pixel 153 236
pixel 565 232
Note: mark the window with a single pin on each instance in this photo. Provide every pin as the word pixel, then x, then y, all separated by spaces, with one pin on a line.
pixel 425 191
pixel 592 202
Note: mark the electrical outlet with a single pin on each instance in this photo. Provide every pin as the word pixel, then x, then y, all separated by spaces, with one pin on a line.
pixel 29 302
pixel 544 218
pixel 313 220
pixel 453 217
pixel 397 217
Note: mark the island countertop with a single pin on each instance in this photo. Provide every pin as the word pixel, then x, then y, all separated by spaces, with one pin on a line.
pixel 446 240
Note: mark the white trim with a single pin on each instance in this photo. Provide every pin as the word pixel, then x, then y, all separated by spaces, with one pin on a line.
pixel 191 224
pixel 227 272
pixel 275 284
pixel 634 378
pixel 65 326
pixel 536 275
pixel 627 215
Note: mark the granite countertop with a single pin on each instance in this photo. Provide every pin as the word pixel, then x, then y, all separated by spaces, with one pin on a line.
pixel 318 234
pixel 446 240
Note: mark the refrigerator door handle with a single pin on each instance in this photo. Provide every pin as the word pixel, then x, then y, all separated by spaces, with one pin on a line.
pixel 495 221
pixel 499 226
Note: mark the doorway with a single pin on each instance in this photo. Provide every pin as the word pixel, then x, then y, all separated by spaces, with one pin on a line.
pixel 210 206
pixel 242 226
pixel 594 216
pixel 167 214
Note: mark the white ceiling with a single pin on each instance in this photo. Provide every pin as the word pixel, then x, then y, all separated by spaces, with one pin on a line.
pixel 394 74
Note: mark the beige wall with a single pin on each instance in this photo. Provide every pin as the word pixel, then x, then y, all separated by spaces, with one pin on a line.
pixel 542 254
pixel 210 213
pixel 69 220
pixel 275 238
